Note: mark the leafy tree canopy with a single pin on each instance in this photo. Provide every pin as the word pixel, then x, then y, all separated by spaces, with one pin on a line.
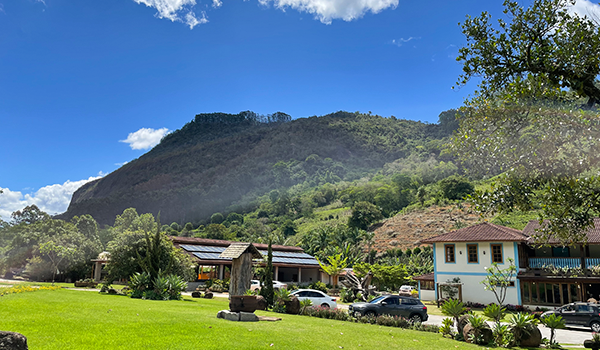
pixel 525 123
pixel 545 40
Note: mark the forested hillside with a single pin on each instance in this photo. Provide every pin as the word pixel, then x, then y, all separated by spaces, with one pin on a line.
pixel 224 163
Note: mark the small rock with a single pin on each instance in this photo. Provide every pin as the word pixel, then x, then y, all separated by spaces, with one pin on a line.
pixel 13 341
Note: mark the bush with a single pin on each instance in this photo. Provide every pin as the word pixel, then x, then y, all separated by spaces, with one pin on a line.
pixel 318 285
pixel 168 287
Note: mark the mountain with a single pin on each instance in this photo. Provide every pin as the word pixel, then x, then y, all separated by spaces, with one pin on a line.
pixel 222 162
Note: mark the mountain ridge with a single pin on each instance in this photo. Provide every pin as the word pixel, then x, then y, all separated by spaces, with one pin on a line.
pixel 220 162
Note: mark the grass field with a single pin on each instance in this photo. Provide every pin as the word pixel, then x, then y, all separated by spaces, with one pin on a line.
pixel 68 319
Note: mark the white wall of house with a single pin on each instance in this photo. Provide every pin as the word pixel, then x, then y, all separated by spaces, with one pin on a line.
pixel 427 295
pixel 470 273
pixel 310 275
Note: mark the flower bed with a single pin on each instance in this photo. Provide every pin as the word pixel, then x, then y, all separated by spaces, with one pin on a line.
pixel 382 320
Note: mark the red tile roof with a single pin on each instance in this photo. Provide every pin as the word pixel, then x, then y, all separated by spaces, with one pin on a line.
pixel 593 233
pixel 223 243
pixel 484 232
pixel 425 277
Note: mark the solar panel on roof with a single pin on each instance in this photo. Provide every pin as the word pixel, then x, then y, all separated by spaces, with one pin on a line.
pixel 202 248
pixel 206 248
pixel 189 248
pixel 295 261
pixel 288 254
pixel 209 256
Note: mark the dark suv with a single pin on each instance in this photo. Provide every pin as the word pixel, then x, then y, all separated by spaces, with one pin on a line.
pixel 410 308
pixel 579 314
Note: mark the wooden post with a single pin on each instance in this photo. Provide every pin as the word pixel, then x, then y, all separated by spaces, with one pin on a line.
pixel 276 277
pixel 97 271
pixel 221 270
pixel 241 274
pixel 299 275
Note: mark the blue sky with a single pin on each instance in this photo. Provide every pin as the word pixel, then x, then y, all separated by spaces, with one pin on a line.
pixel 79 77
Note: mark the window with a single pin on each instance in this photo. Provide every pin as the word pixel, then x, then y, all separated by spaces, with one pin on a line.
pixel 392 301
pixel 497 253
pixel 449 253
pixel 472 253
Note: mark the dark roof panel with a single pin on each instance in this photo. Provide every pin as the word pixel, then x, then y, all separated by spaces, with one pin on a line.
pixel 593 233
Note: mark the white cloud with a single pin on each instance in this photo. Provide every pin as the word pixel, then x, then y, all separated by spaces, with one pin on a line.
pixel 586 8
pixel 176 11
pixel 323 10
pixel 52 199
pixel 42 1
pixel 327 10
pixel 145 138
pixel 401 41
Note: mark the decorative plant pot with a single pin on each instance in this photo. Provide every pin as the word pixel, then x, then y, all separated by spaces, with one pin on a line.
pixel 590 344
pixel 85 284
pixel 245 303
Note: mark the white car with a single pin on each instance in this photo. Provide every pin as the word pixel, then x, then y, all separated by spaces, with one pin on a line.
pixel 255 284
pixel 406 289
pixel 317 297
pixel 279 285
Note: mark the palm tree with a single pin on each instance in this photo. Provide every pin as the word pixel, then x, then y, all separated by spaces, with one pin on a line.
pixel 336 264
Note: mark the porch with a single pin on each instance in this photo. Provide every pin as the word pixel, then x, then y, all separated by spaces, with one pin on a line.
pixel 563 262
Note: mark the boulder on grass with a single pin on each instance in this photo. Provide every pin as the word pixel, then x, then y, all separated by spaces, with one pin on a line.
pixel 533 340
pixel 12 341
pixel 261 303
pixel 208 295
pixel 462 322
pixel 292 306
pixel 196 295
pixel 485 332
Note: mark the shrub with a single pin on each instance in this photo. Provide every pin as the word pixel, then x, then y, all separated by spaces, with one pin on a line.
pixel 502 335
pixel 553 322
pixel 478 324
pixel 521 325
pixel 454 308
pixel 318 285
pixel 446 328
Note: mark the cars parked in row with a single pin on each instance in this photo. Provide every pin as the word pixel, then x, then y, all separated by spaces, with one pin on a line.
pixel 317 297
pixel 578 314
pixel 393 305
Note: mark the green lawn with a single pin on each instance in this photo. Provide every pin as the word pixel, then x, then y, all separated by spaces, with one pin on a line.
pixel 67 319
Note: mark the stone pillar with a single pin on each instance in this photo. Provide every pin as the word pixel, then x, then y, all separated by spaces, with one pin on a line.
pixel 97 271
pixel 221 271
pixel 299 275
pixel 276 278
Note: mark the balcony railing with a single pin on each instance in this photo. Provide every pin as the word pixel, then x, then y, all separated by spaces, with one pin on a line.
pixel 538 263
pixel 592 261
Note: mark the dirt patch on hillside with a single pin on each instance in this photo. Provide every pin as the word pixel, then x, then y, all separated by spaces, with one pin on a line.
pixel 406 230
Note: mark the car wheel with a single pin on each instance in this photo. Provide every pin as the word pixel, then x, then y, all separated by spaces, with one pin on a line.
pixel 370 314
pixel 325 305
pixel 416 318
pixel 595 326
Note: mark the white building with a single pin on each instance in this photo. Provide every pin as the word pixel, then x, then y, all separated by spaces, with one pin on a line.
pixel 465 254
